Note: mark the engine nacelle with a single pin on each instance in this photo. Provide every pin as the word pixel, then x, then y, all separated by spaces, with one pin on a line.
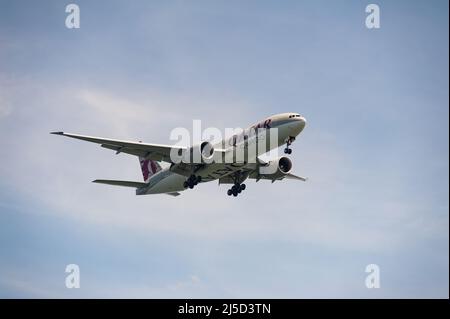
pixel 202 153
pixel 276 169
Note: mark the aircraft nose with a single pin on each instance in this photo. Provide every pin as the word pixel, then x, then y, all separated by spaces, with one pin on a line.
pixel 297 126
pixel 302 121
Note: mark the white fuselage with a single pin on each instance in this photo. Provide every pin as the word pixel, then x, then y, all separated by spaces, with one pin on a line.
pixel 288 126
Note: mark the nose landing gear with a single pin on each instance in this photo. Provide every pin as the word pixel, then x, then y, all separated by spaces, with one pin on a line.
pixel 192 181
pixel 289 141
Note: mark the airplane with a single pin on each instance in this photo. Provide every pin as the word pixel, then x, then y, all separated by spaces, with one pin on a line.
pixel 182 175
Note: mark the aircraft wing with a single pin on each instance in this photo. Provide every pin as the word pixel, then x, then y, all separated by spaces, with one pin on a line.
pixel 252 171
pixel 156 152
pixel 292 176
pixel 255 175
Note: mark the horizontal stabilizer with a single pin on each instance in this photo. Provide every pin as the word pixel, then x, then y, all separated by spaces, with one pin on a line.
pixel 120 183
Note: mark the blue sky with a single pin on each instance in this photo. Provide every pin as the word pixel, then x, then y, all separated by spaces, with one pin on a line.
pixel 375 148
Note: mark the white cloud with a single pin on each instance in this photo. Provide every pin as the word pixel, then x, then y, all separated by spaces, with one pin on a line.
pixel 187 284
pixel 6 94
pixel 5 108
pixel 19 287
pixel 120 113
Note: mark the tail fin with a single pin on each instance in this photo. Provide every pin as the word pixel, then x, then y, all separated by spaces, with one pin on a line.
pixel 148 168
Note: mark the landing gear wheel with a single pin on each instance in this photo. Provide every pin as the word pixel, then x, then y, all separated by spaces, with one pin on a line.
pixel 192 181
pixel 236 189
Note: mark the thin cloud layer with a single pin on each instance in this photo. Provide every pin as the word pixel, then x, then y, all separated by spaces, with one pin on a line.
pixel 378 172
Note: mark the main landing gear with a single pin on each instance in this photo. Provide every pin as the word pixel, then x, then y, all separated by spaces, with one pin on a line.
pixel 192 181
pixel 236 189
pixel 289 141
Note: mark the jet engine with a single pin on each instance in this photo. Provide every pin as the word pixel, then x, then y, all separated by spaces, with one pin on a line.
pixel 202 153
pixel 276 169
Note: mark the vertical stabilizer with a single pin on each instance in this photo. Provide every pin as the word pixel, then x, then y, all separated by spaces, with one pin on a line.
pixel 148 168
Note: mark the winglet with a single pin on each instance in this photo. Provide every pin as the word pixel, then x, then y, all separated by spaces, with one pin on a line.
pixel 57 133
